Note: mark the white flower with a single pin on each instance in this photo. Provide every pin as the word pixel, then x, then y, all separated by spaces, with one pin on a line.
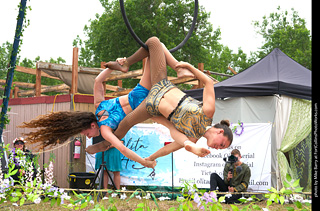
pixel 38 176
pixel 91 202
pixel 48 174
pixel 138 197
pixel 123 196
pixel 265 209
pixel 105 198
pixel 306 200
pixel 55 194
pixel 113 195
pixel 37 201
pixel 228 195
pixel 162 198
pixel 249 199
pixel 15 204
pixel 65 196
pixel 297 197
pixel 147 196
pixel 124 188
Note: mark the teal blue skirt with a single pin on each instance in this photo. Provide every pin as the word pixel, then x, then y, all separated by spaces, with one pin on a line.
pixel 112 157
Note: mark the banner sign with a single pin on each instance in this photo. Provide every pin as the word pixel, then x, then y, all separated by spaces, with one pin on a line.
pixel 254 145
pixel 172 170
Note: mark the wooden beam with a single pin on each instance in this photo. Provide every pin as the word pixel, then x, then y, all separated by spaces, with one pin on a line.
pixel 56 88
pixel 74 80
pixel 113 88
pixel 232 70
pixel 68 68
pixel 182 80
pixel 21 84
pixel 38 82
pixel 129 74
pixel 119 93
pixel 33 72
pixel 220 74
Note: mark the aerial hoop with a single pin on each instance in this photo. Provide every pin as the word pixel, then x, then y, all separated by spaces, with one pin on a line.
pixel 195 15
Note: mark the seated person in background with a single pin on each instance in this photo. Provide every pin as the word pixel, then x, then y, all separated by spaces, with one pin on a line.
pixel 21 158
pixel 236 178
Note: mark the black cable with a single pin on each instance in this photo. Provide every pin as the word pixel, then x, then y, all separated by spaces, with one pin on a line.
pixel 126 21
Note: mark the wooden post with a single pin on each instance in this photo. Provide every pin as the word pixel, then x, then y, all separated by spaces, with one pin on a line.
pixel 38 82
pixel 15 91
pixel 119 83
pixel 10 96
pixel 74 82
pixel 201 68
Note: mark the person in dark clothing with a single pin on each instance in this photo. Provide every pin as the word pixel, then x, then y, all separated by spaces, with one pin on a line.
pixel 236 178
pixel 21 158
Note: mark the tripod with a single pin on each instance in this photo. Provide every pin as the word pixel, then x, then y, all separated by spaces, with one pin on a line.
pixel 100 173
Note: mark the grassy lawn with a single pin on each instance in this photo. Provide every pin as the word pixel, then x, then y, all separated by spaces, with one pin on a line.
pixel 123 205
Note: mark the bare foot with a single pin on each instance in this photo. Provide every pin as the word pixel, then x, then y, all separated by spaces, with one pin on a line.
pixel 121 61
pixel 201 152
pixel 99 147
pixel 116 66
pixel 184 72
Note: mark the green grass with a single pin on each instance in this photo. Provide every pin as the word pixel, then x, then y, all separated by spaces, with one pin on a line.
pixel 124 205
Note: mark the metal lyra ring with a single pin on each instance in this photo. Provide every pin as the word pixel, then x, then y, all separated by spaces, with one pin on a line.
pixel 195 15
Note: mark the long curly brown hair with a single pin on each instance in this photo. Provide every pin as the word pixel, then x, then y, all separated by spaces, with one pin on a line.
pixel 57 127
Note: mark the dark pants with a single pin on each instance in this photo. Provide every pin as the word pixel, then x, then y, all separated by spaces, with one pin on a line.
pixel 216 181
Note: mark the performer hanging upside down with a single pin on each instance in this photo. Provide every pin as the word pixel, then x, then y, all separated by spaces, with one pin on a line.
pixel 190 117
pixel 57 127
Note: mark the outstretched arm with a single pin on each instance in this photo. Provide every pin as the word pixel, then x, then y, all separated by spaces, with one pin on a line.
pixel 208 91
pixel 107 134
pixel 98 89
pixel 180 141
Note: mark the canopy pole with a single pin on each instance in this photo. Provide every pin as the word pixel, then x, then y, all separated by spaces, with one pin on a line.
pixel 12 66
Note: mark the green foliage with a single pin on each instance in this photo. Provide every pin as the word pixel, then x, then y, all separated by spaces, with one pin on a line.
pixel 146 195
pixel 108 38
pixel 34 191
pixel 18 192
pixel 288 32
pixel 290 192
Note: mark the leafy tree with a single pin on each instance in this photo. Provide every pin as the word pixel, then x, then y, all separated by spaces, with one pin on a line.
pixel 288 32
pixel 5 48
pixel 170 20
pixel 5 52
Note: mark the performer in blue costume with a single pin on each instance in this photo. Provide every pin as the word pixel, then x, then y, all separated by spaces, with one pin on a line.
pixel 57 127
pixel 191 118
pixel 110 113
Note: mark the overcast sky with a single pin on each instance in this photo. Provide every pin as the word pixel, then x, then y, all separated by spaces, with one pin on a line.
pixel 55 24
